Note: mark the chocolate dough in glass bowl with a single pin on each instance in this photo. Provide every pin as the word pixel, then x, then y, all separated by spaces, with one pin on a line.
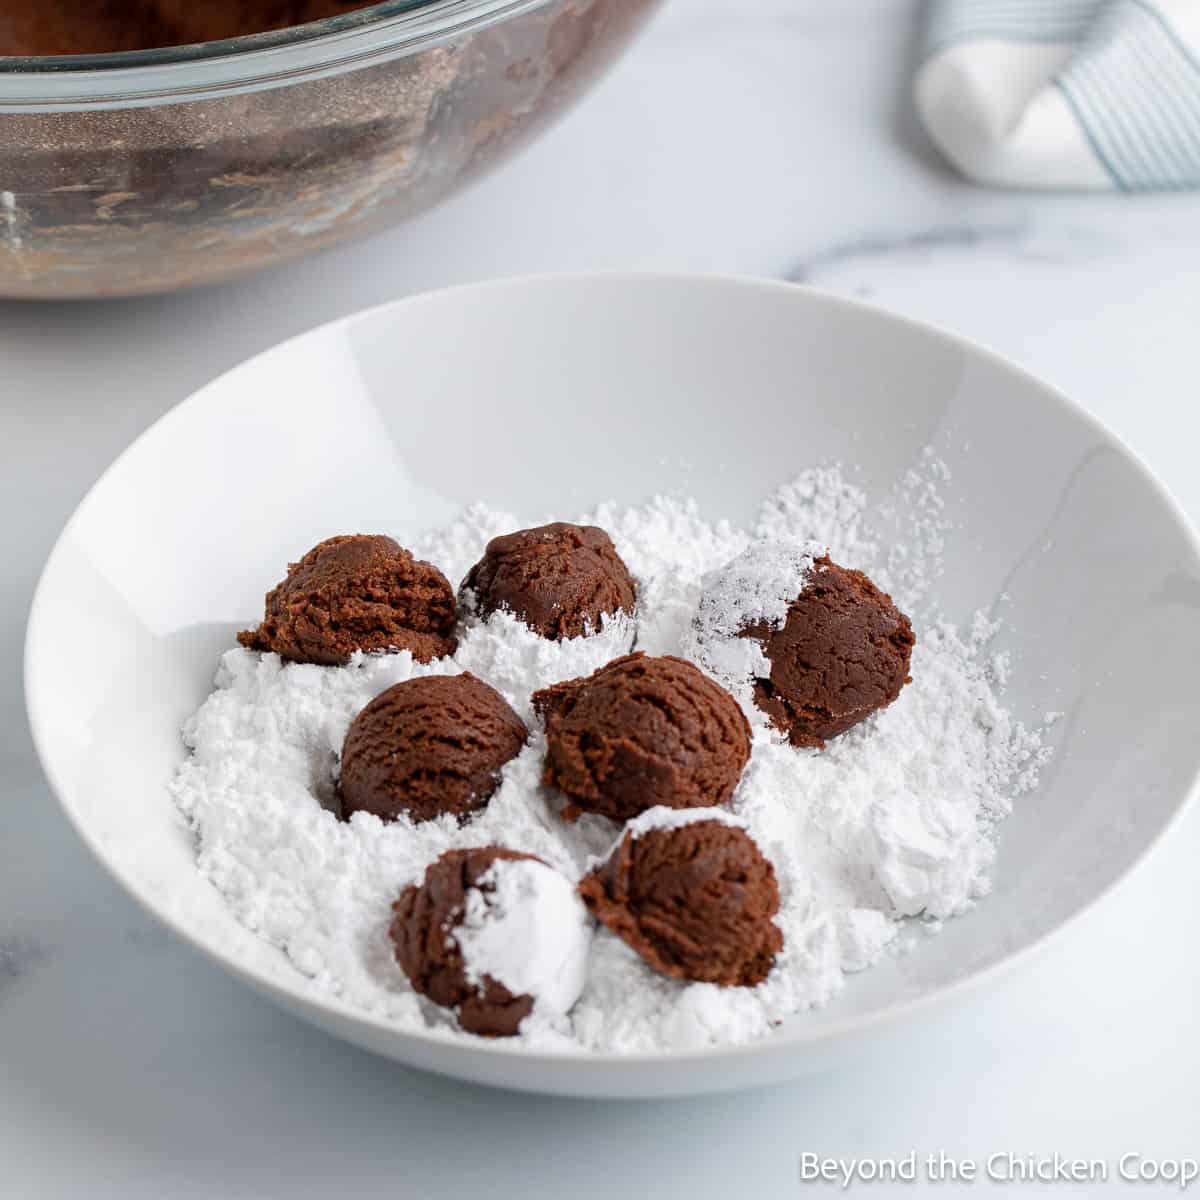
pixel 139 155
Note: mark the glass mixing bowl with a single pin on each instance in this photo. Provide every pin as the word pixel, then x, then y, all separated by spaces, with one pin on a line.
pixel 123 174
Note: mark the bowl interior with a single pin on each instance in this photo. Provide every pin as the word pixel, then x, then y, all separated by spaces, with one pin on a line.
pixel 550 395
pixel 269 39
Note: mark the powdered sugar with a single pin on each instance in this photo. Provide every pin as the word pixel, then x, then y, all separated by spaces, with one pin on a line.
pixel 509 655
pixel 892 820
pixel 662 818
pixel 528 929
pixel 668 580
pixel 754 588
pixel 824 507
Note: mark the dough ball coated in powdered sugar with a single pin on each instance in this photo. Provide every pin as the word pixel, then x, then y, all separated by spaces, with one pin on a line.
pixel 841 654
pixel 816 646
pixel 494 936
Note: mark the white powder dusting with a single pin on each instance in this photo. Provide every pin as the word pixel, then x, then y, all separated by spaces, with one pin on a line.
pixel 822 507
pixel 528 929
pixel 755 588
pixel 661 818
pixel 893 820
pixel 668 580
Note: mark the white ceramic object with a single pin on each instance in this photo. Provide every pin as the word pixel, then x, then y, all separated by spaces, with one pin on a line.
pixel 552 394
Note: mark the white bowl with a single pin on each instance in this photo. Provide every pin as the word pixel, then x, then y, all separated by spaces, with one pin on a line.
pixel 553 394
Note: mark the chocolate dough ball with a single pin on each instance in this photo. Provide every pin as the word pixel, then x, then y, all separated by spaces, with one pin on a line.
pixel 640 732
pixel 357 593
pixel 494 935
pixel 559 579
pixel 841 654
pixel 422 930
pixel 696 900
pixel 429 746
pixel 105 26
pixel 216 19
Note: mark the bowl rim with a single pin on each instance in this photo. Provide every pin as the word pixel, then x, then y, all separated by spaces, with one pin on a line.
pixel 314 50
pixel 600 1065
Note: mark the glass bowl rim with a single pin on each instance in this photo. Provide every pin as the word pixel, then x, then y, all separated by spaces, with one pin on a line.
pixel 171 74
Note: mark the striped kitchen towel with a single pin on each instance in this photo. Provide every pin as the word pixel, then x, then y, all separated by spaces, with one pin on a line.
pixel 1083 94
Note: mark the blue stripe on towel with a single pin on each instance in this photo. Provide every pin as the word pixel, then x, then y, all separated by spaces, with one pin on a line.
pixel 952 21
pixel 1135 89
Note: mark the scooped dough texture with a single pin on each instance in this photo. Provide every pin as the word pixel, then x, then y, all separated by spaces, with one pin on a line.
pixel 560 579
pixel 427 747
pixel 842 653
pixel 357 592
pixel 641 732
pixel 423 923
pixel 696 902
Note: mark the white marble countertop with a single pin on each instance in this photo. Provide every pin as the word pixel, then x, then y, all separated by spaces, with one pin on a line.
pixel 765 137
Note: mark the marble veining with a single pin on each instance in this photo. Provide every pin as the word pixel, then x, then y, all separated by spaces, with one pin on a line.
pixel 873 246
pixel 18 956
pixel 1020 239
